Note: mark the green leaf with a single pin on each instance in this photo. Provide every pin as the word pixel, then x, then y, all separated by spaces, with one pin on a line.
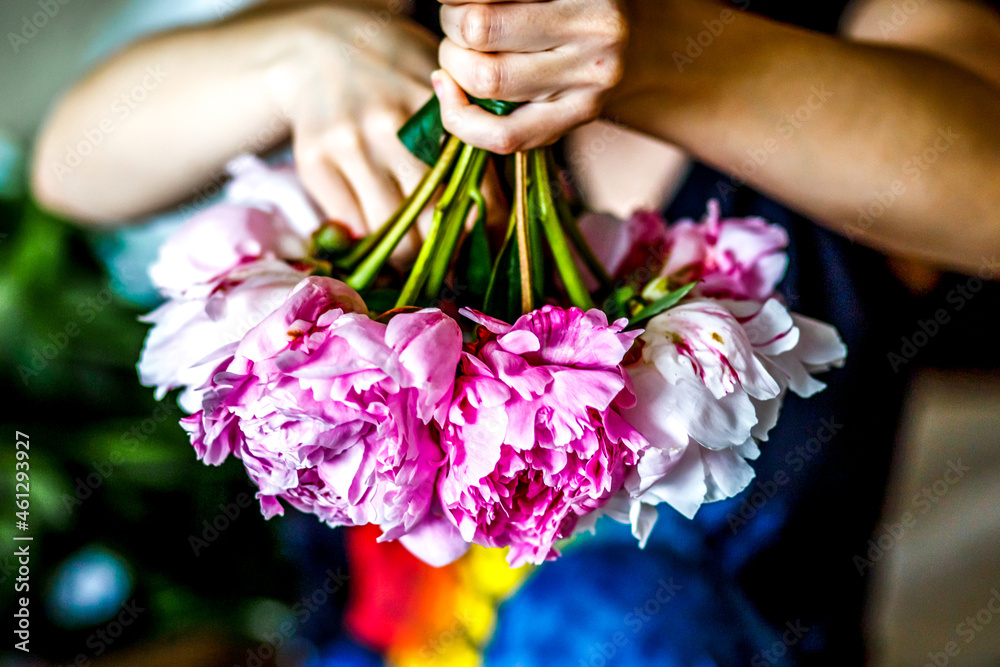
pixel 495 107
pixel 381 300
pixel 423 132
pixel 474 260
pixel 616 305
pixel 661 304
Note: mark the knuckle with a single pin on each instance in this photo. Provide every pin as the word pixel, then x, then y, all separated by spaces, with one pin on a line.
pixel 488 77
pixel 588 109
pixel 504 140
pixel 343 138
pixel 309 155
pixel 382 122
pixel 607 72
pixel 479 27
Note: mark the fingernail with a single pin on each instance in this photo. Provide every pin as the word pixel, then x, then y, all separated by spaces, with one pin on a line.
pixel 436 81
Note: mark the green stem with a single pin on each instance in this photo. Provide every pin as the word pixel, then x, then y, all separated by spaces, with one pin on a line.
pixel 435 245
pixel 577 291
pixel 365 245
pixel 418 274
pixel 455 218
pixel 572 230
pixel 521 227
pixel 365 273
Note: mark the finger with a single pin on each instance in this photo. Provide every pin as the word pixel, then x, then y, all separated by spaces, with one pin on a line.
pixel 402 165
pixel 351 151
pixel 516 77
pixel 509 27
pixel 529 126
pixel 415 94
pixel 327 185
pixel 409 246
pixel 377 192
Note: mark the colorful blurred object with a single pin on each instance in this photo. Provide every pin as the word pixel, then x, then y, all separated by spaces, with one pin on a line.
pixel 422 616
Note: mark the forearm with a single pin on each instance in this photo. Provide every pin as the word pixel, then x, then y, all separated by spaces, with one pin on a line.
pixel 158 120
pixel 892 147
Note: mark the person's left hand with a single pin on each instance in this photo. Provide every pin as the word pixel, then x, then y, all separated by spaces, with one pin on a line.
pixel 559 57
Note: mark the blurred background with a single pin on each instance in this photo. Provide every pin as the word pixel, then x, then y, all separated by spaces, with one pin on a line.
pixel 142 556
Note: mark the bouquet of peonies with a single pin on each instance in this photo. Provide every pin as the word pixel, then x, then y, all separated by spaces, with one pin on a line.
pixel 512 418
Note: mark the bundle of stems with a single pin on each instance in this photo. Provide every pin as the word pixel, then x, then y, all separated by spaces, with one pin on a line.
pixel 540 219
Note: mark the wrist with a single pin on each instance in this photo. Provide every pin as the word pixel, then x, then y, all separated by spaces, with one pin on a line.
pixel 688 60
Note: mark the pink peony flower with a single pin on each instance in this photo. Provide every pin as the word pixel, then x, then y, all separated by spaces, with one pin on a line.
pixel 699 371
pixel 737 258
pixel 216 241
pixel 223 272
pixel 276 189
pixel 708 388
pixel 792 347
pixel 625 247
pixel 265 214
pixel 330 410
pixel 534 437
pixel 192 334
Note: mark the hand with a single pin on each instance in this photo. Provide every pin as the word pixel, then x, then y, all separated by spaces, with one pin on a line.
pixel 560 57
pixel 346 103
pixel 339 77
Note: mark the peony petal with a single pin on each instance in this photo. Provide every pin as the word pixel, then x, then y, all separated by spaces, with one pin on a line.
pixel 276 189
pixel 436 541
pixel 684 485
pixel 642 517
pixel 728 473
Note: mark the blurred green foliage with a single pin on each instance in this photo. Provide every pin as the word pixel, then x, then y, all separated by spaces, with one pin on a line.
pixel 110 466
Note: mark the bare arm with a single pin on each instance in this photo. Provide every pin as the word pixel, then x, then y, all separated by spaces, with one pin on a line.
pixel 894 144
pixel 160 118
pixel 888 138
